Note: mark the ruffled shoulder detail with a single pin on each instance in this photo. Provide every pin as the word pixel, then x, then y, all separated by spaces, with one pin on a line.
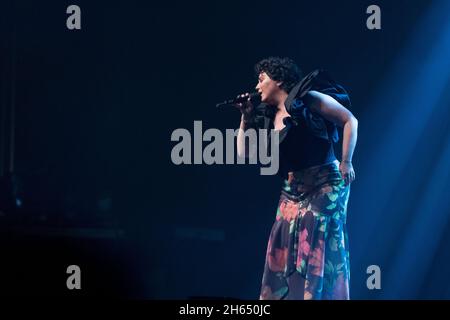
pixel 296 105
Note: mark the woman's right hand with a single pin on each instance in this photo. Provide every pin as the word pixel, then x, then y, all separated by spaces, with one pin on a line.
pixel 246 107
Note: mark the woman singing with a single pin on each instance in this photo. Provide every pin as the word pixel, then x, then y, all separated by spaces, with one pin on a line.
pixel 307 255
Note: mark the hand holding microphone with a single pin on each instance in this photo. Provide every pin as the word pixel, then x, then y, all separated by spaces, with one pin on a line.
pixel 244 103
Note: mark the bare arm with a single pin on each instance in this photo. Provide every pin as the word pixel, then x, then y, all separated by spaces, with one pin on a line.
pixel 244 149
pixel 241 147
pixel 333 111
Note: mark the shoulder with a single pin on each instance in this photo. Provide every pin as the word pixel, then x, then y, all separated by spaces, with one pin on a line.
pixel 314 99
pixel 317 100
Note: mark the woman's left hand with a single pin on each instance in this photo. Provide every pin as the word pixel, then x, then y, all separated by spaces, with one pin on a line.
pixel 348 174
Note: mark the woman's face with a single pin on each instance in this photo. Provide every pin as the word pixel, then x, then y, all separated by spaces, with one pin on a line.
pixel 267 88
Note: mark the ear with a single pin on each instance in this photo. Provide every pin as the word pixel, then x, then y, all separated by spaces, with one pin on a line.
pixel 279 83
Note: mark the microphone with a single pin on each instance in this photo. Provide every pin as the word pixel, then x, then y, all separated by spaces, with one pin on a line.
pixel 238 99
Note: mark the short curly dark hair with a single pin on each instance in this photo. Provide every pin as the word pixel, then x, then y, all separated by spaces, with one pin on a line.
pixel 280 69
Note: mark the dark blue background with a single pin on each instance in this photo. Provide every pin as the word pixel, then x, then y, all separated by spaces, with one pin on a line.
pixel 95 110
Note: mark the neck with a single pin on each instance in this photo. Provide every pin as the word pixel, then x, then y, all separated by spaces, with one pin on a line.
pixel 281 99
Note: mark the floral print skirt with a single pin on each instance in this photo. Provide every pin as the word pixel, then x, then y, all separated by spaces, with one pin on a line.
pixel 307 255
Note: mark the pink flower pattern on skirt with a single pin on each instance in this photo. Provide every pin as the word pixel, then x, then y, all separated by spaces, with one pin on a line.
pixel 309 237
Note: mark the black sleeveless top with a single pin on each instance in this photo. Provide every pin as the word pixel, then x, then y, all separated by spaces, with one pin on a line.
pixel 300 149
pixel 307 138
